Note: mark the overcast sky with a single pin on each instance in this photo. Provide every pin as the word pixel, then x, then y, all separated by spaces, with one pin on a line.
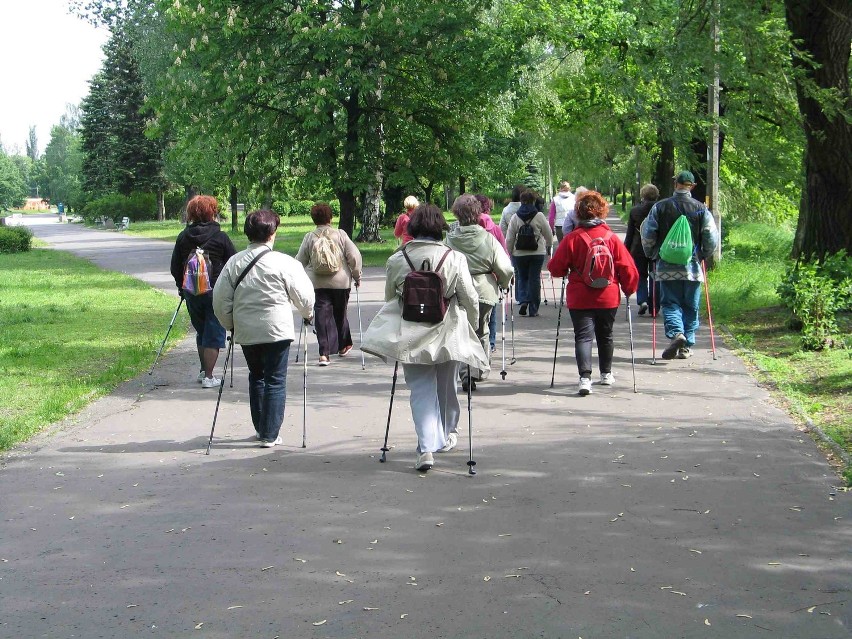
pixel 47 57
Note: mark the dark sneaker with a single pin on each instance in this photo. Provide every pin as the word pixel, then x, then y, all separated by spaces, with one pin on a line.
pixel 678 342
pixel 468 383
pixel 643 308
pixel 522 310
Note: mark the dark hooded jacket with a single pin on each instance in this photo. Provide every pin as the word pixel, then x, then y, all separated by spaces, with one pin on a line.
pixel 210 237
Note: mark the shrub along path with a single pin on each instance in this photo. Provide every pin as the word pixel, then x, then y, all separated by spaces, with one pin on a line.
pixel 690 509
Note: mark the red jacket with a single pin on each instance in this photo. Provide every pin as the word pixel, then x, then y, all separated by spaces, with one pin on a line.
pixel 570 258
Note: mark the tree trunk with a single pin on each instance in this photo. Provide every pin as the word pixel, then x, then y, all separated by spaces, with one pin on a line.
pixel 664 168
pixel 233 201
pixel 393 197
pixel 371 213
pixel 161 205
pixel 462 184
pixel 266 182
pixel 699 148
pixel 824 30
pixel 190 192
pixel 346 198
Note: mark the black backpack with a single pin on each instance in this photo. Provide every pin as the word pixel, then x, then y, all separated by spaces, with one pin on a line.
pixel 423 292
pixel 526 240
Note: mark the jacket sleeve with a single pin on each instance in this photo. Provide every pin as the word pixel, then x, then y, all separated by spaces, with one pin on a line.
pixel 223 297
pixel 300 290
pixel 511 232
pixel 546 233
pixel 648 234
pixel 352 256
pixel 465 290
pixel 176 267
pixel 502 265
pixel 570 222
pixel 303 255
pixel 401 226
pixel 709 235
pixel 625 268
pixel 631 229
pixel 551 216
pixel 558 264
pixel 504 222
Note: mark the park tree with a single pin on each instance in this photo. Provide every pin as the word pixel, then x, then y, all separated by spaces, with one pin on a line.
pixel 822 36
pixel 63 159
pixel 12 186
pixel 32 144
pixel 118 156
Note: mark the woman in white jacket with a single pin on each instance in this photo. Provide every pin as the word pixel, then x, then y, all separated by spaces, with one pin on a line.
pixel 430 354
pixel 253 302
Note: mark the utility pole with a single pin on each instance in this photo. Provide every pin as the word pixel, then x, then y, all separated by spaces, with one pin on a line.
pixel 713 150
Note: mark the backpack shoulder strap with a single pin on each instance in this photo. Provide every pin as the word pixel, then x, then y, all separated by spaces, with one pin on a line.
pixel 407 259
pixel 441 261
pixel 250 266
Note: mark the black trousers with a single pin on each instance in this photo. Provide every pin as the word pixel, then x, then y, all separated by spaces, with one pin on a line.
pixel 589 323
pixel 330 320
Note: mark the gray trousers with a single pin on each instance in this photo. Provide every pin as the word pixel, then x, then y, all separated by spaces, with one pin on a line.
pixel 434 403
pixel 482 333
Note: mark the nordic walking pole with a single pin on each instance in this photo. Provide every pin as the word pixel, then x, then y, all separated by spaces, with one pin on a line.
pixel 470 463
pixel 709 314
pixel 503 334
pixel 172 323
pixel 543 287
pixel 630 326
pixel 558 323
pixel 232 364
pixel 512 322
pixel 219 399
pixel 360 328
pixel 299 344
pixel 654 316
pixel 385 448
pixel 305 387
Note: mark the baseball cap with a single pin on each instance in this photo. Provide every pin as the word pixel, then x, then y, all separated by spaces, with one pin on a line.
pixel 685 177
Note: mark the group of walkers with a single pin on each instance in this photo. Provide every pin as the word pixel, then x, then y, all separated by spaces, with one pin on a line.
pixel 442 289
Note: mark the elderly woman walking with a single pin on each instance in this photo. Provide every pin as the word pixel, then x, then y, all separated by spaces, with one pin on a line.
pixel 253 300
pixel 529 239
pixel 430 353
pixel 203 233
pixel 333 263
pixel 593 302
pixel 488 264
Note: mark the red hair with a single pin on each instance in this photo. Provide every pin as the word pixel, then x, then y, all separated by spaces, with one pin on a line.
pixel 591 205
pixel 202 208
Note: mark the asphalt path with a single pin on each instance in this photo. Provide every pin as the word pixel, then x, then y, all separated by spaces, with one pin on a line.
pixel 693 508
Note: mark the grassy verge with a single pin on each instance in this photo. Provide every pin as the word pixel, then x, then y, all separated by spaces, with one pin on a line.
pixel 70 333
pixel 288 240
pixel 816 385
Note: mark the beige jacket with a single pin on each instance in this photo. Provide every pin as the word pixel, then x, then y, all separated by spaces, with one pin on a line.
pixel 351 268
pixel 259 311
pixel 395 339
pixel 488 263
pixel 542 232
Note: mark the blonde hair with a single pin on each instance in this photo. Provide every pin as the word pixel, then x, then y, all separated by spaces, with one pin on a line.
pixel 410 202
pixel 564 186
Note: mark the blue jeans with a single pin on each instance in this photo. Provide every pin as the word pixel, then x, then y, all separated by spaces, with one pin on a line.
pixel 679 300
pixel 528 269
pixel 492 327
pixel 267 364
pixel 208 331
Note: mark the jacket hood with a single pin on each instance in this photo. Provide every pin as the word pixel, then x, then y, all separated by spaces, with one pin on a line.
pixel 200 232
pixel 527 212
pixel 467 239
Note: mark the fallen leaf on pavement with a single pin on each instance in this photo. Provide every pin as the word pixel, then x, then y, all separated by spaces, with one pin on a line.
pixel 198 626
pixel 319 623
pixel 347 601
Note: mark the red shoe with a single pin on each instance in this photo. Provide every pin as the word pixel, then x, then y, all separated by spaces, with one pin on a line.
pixel 344 351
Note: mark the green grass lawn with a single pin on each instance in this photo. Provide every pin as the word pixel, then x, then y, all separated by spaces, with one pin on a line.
pixel 288 240
pixel 815 384
pixel 70 332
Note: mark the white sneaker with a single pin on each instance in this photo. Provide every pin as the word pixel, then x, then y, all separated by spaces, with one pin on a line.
pixel 257 434
pixel 452 442
pixel 425 461
pixel 200 377
pixel 607 379
pixel 271 444
pixel 684 353
pixel 211 382
pixel 585 386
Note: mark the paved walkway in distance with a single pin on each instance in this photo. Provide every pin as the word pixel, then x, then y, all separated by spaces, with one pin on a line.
pixel 693 508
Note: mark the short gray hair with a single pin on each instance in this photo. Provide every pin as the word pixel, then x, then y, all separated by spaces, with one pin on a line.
pixel 467 209
pixel 649 192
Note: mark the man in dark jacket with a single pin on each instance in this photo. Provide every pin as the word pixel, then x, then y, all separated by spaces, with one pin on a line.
pixel 648 195
pixel 203 232
pixel 680 284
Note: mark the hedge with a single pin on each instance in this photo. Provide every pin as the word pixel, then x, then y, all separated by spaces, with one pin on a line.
pixel 15 239
pixel 136 206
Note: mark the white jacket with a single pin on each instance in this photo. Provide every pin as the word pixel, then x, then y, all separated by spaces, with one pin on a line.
pixel 395 339
pixel 259 311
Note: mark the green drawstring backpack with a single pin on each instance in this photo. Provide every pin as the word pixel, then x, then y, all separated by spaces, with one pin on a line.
pixel 678 248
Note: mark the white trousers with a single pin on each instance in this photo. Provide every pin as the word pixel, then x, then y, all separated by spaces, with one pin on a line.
pixel 434 402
